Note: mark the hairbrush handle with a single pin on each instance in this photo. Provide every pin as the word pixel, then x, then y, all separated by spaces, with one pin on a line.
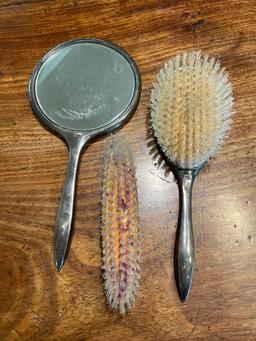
pixel 186 256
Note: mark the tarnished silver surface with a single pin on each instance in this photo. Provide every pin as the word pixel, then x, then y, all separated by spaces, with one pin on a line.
pixel 185 252
pixel 48 83
pixel 65 212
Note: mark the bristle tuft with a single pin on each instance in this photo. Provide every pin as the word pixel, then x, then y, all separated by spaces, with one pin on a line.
pixel 120 227
pixel 191 108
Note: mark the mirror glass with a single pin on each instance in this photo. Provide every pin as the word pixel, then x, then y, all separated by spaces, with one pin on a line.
pixel 84 86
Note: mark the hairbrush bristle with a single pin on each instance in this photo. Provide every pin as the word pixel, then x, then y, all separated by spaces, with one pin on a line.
pixel 191 108
pixel 120 227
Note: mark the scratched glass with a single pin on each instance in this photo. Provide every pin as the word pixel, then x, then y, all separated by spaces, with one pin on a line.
pixel 85 86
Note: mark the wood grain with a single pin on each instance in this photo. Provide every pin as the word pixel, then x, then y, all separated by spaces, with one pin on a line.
pixel 38 304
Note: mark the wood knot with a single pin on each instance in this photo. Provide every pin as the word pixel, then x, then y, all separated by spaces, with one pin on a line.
pixel 197 25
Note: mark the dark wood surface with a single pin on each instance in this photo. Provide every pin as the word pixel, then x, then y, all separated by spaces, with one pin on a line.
pixel 38 304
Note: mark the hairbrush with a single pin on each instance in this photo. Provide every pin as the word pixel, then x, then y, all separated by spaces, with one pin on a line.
pixel 120 227
pixel 191 112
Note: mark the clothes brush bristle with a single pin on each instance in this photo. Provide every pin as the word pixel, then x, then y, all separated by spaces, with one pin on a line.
pixel 191 108
pixel 120 227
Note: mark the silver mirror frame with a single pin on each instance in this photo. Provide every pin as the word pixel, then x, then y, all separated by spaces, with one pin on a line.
pixel 65 133
pixel 76 140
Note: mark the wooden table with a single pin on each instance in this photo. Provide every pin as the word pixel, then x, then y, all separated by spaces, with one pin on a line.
pixel 36 303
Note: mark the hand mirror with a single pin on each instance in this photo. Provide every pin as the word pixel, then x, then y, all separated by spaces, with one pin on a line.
pixel 81 89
